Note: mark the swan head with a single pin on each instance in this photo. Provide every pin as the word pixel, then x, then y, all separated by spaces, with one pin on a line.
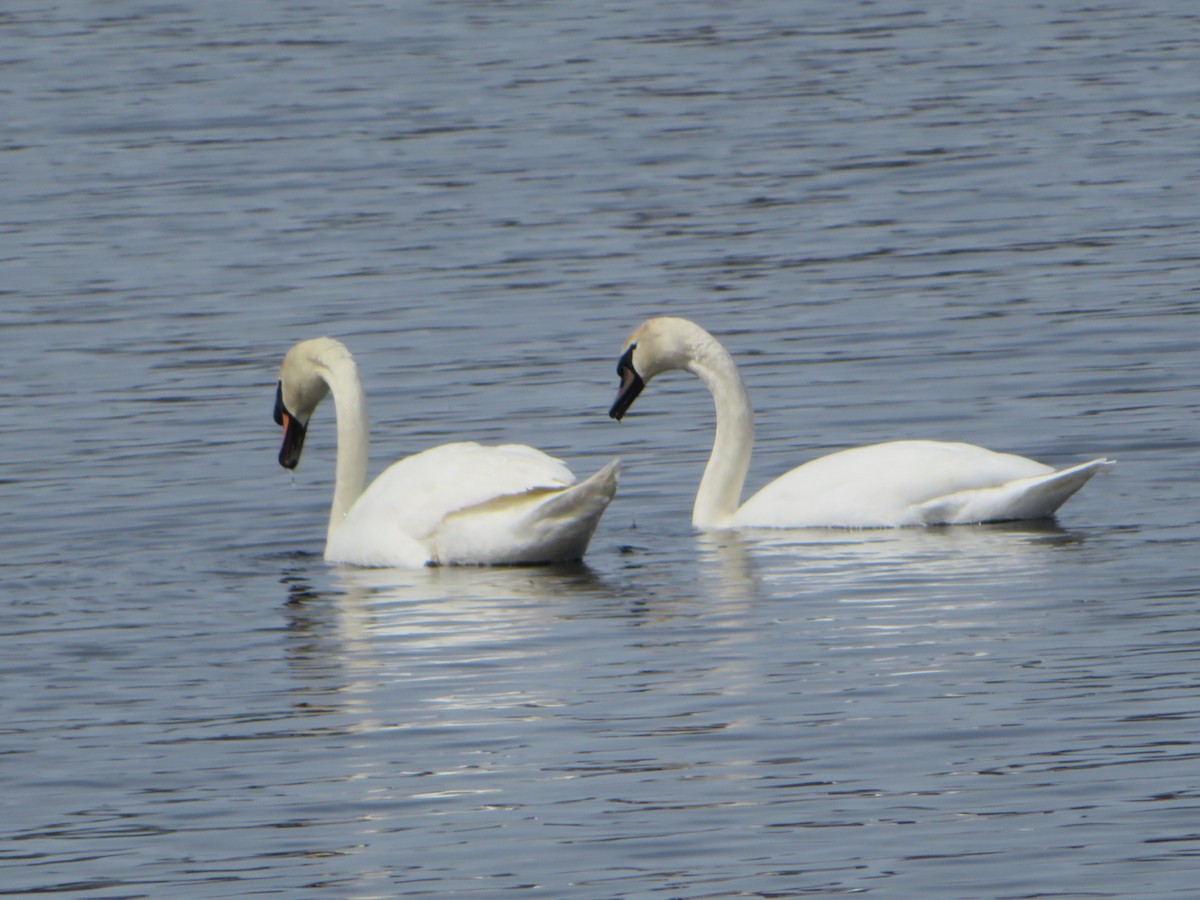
pixel 657 345
pixel 303 383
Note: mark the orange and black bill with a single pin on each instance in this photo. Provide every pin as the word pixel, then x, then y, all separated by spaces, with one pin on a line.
pixel 631 385
pixel 293 432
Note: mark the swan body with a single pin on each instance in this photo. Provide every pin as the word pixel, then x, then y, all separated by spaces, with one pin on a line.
pixel 892 484
pixel 457 504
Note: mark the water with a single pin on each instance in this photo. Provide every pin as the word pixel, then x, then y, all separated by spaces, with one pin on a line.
pixel 972 224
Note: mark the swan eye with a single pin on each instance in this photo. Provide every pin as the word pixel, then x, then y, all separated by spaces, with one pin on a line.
pixel 279 409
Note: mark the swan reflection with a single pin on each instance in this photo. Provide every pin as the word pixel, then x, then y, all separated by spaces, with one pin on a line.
pixel 852 555
pixel 437 647
pixel 438 609
pixel 893 602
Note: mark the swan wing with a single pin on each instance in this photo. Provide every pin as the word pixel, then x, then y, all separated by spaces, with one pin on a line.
pixel 541 525
pixel 1025 498
pixel 891 484
pixel 484 491
pixel 419 491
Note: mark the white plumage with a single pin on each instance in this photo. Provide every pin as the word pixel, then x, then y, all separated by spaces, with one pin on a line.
pixel 459 503
pixel 881 485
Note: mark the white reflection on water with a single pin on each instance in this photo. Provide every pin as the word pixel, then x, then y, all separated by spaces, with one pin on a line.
pixel 854 557
pixel 438 609
pixel 419 624
pixel 898 600
pixel 438 630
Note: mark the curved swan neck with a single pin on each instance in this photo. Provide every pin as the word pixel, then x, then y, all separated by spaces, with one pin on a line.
pixel 350 404
pixel 720 490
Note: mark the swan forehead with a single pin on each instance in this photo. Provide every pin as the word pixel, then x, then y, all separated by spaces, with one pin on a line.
pixel 658 344
pixel 646 338
pixel 632 338
pixel 631 348
pixel 301 384
pixel 294 397
pixel 295 369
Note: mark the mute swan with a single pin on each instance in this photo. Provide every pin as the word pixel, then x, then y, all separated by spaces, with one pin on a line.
pixel 457 504
pixel 881 485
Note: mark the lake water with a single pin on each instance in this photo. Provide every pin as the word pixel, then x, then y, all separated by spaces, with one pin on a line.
pixel 977 223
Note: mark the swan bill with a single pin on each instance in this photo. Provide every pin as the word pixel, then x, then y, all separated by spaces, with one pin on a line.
pixel 293 432
pixel 293 442
pixel 631 385
pixel 280 409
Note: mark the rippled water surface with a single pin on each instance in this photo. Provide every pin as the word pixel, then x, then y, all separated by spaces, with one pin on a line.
pixel 977 223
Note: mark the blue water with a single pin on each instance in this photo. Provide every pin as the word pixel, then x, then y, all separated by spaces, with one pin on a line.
pixel 970 224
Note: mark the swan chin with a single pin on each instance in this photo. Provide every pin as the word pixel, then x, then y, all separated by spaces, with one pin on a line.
pixel 457 504
pixel 894 484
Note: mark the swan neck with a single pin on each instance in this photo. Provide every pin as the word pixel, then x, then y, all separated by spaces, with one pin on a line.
pixel 720 491
pixel 350 405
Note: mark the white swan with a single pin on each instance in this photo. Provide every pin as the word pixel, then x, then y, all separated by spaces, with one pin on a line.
pixel 881 485
pixel 457 504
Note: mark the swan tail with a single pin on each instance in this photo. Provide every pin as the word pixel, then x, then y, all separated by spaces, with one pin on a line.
pixel 1037 497
pixel 543 525
pixel 564 523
